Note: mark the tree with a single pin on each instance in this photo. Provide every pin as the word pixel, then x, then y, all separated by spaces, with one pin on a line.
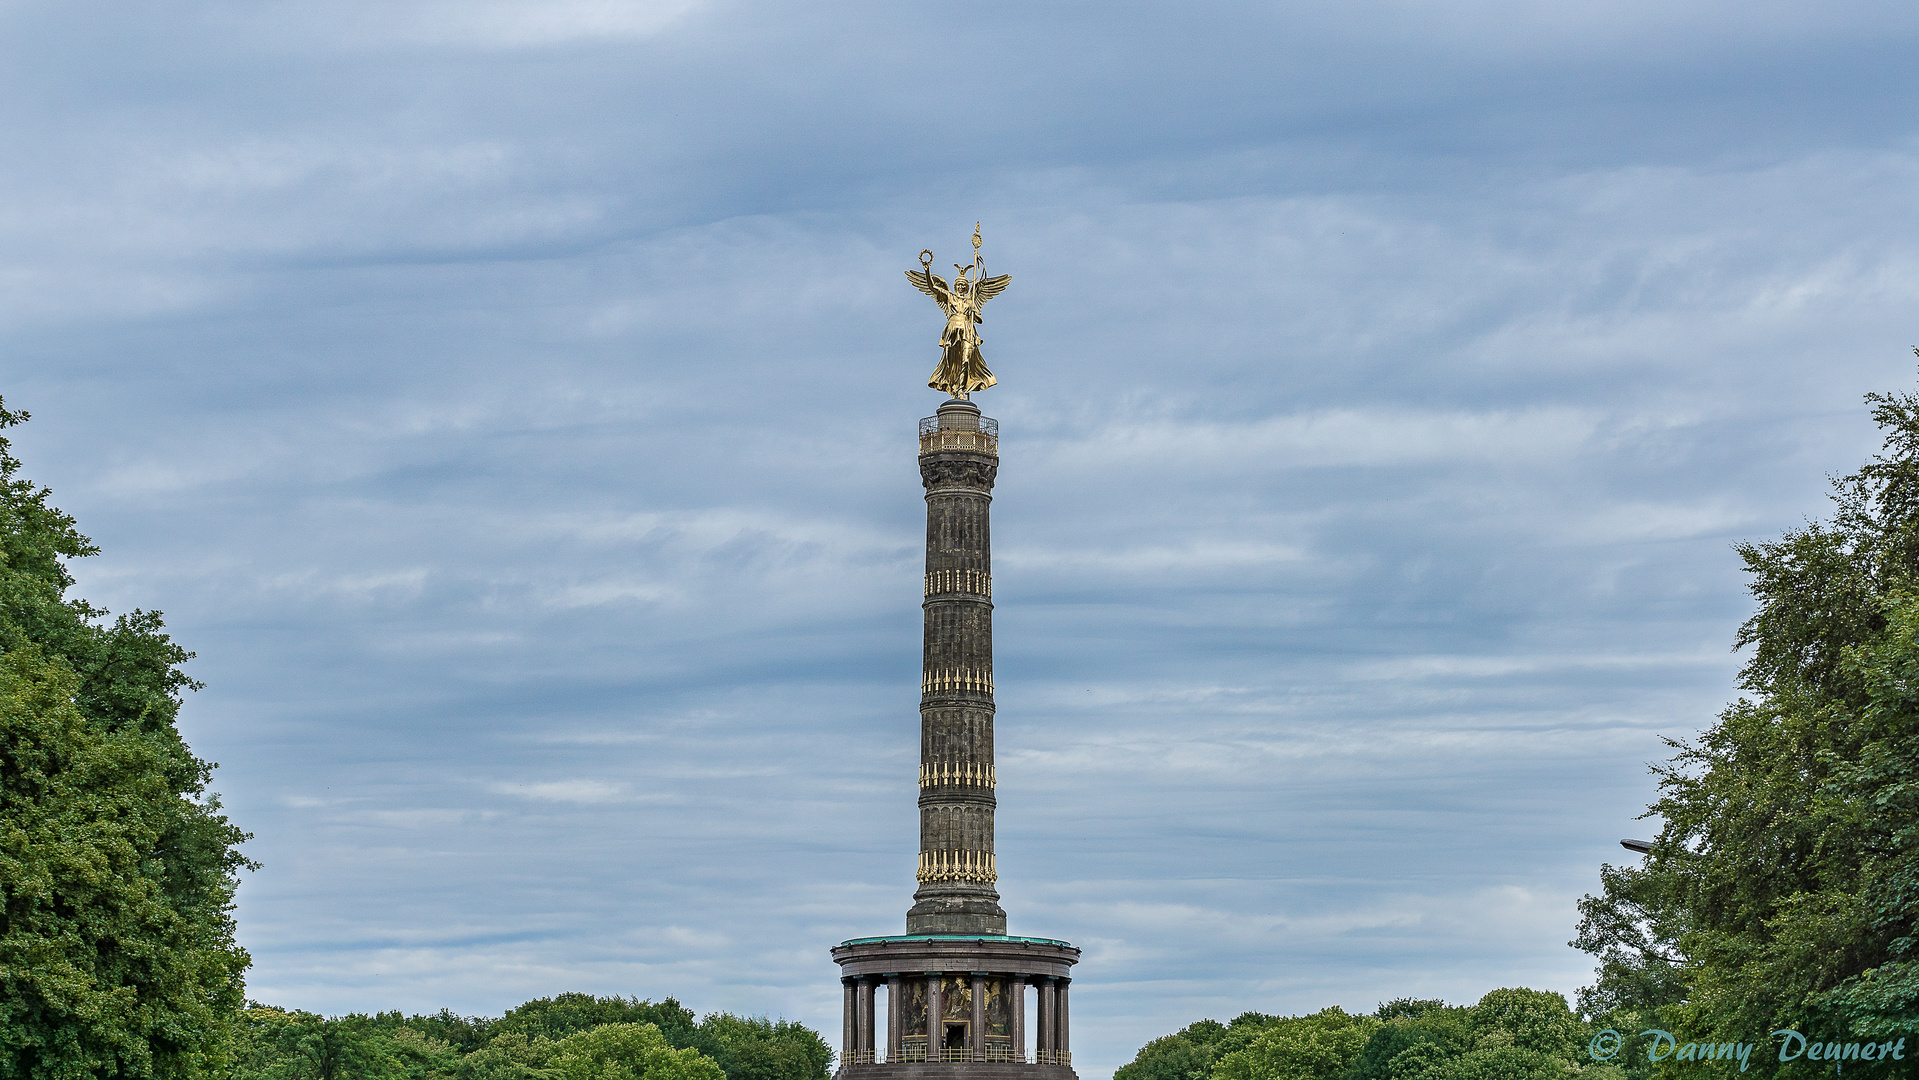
pixel 755 1048
pixel 1321 1046
pixel 1191 1052
pixel 458 1034
pixel 563 1014
pixel 117 871
pixel 293 1045
pixel 618 1051
pixel 510 1055
pixel 1511 1034
pixel 1184 1055
pixel 1784 884
pixel 628 1052
pixel 1413 1037
pixel 556 1038
pixel 746 1048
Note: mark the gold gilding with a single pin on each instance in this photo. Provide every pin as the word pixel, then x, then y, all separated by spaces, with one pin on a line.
pixel 957 866
pixel 967 774
pixel 948 679
pixel 973 582
pixel 962 368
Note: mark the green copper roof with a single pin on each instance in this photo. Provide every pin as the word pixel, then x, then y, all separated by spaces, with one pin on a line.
pixel 958 937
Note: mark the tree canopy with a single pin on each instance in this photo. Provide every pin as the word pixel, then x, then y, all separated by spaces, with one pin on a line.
pixel 566 1037
pixel 117 870
pixel 1512 1034
pixel 1783 887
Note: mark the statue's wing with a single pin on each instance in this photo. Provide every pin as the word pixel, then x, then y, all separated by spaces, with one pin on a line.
pixel 931 284
pixel 991 287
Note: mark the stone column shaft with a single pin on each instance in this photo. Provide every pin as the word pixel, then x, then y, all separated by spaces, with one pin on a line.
pixel 1063 1026
pixel 1016 986
pixel 849 1021
pixel 935 1016
pixel 895 1016
pixel 866 1016
pixel 957 869
pixel 978 1026
pixel 1047 1018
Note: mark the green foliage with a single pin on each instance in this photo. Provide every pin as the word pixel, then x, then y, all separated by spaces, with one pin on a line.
pixel 420 1055
pixel 746 1048
pixel 1511 1034
pixel 562 1015
pixel 566 1037
pixel 104 966
pixel 117 870
pixel 1321 1046
pixel 1783 888
pixel 459 1034
pixel 755 1048
pixel 511 1055
pixel 1495 1063
pixel 278 1044
pixel 1533 1020
pixel 1407 1008
pixel 1172 1057
pixel 1412 1040
pixel 1190 1053
pixel 628 1052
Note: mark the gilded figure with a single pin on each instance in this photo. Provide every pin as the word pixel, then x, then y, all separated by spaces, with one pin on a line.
pixel 962 369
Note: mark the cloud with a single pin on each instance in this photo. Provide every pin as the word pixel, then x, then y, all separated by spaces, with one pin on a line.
pixel 568 791
pixel 513 407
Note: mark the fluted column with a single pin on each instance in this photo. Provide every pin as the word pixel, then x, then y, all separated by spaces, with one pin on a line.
pixel 1016 987
pixel 1063 1025
pixel 866 1020
pixel 849 1021
pixel 895 1016
pixel 959 461
pixel 978 1027
pixel 1048 1020
pixel 935 1016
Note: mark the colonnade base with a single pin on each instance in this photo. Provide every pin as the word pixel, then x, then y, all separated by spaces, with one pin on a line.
pixel 955 1008
pixel 956 1070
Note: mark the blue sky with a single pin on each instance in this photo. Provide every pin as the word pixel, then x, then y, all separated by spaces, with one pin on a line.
pixel 512 404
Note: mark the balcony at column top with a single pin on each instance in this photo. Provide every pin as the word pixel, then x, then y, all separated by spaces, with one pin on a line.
pixel 959 426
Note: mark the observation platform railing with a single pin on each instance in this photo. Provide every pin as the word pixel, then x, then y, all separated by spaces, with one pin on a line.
pixel 934 438
pixel 993 1055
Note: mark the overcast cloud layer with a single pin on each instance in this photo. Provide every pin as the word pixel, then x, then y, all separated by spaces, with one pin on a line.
pixel 513 404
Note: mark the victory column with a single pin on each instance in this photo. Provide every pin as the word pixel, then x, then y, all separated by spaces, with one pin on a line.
pixel 955 965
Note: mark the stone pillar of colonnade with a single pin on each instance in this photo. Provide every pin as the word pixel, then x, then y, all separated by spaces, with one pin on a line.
pixel 866 1021
pixel 1063 1026
pixel 849 1022
pixel 1048 1022
pixel 978 1025
pixel 935 1015
pixel 895 1016
pixel 1016 989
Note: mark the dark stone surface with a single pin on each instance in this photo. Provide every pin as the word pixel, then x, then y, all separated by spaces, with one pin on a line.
pixel 956 706
pixel 994 955
pixel 1035 962
pixel 957 1070
pixel 956 927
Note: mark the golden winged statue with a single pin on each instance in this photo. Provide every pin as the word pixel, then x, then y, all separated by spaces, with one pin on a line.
pixel 962 369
